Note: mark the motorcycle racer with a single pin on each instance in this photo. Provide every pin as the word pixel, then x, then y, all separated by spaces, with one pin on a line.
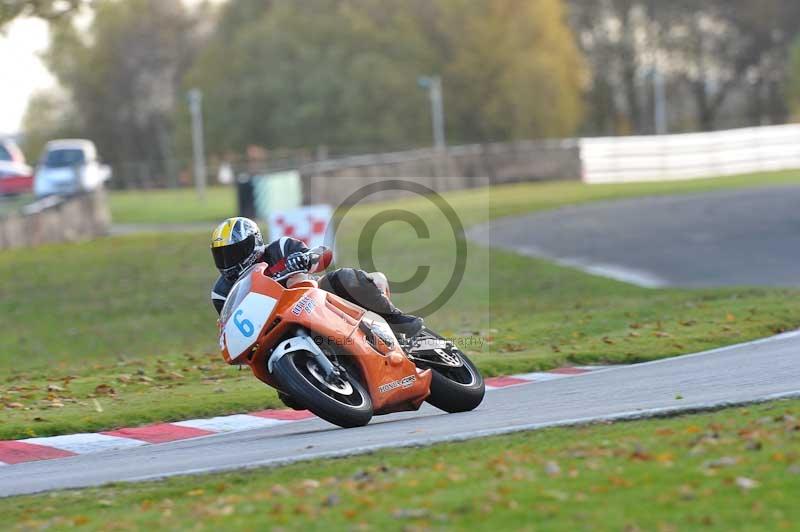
pixel 237 244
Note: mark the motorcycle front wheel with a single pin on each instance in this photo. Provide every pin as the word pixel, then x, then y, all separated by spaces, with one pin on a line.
pixel 341 400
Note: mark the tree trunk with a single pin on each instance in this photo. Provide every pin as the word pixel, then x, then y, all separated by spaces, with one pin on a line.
pixel 705 113
pixel 629 67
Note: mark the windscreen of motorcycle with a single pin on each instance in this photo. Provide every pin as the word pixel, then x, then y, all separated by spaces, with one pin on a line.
pixel 235 296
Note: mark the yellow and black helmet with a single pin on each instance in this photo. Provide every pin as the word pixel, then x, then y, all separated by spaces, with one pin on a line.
pixel 236 244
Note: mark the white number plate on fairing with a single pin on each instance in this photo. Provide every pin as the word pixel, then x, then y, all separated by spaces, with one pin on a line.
pixel 246 322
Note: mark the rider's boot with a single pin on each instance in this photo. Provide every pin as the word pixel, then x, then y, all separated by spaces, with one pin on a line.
pixel 406 324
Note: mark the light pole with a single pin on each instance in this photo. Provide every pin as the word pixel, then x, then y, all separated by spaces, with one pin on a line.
pixel 198 149
pixel 433 84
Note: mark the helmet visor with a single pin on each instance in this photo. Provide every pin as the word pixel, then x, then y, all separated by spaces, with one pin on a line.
pixel 226 257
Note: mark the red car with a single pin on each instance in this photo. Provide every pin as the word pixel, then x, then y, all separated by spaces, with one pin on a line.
pixel 16 177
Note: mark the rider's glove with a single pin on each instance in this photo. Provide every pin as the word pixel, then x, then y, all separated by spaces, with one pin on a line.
pixel 297 261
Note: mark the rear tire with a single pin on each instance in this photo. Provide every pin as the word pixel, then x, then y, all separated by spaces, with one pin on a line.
pixel 452 396
pixel 296 374
pixel 453 389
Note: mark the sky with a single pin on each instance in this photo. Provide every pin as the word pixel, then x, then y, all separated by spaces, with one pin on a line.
pixel 21 70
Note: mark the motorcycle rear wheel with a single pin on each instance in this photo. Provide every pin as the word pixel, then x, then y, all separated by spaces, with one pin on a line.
pixel 456 384
pixel 343 402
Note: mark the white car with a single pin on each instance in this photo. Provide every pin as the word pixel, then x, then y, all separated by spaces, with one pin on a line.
pixel 67 167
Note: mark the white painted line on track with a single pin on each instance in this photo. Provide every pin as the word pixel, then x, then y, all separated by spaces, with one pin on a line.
pixel 623 274
pixel 768 340
pixel 232 423
pixel 538 376
pixel 85 443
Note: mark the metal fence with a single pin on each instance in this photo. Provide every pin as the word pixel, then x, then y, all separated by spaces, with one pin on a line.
pixel 595 160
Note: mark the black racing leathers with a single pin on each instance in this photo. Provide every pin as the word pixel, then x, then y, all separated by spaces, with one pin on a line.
pixel 354 285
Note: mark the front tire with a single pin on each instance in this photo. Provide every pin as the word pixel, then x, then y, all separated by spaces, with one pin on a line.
pixel 290 401
pixel 456 384
pixel 343 402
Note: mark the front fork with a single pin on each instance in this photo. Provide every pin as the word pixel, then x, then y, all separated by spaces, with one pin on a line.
pixel 303 342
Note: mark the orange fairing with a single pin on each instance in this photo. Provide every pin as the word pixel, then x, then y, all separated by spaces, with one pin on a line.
pixel 393 381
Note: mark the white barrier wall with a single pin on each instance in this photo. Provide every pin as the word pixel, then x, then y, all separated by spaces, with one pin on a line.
pixel 690 156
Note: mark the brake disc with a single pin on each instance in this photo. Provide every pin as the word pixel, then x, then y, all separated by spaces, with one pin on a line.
pixel 339 385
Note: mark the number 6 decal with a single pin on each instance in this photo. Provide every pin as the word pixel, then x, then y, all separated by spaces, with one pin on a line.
pixel 245 326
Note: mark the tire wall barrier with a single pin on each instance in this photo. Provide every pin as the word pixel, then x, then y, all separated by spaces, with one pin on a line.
pixel 56 219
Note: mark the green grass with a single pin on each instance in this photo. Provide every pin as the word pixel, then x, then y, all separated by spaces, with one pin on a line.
pixel 736 469
pixel 132 314
pixel 172 206
pixel 510 200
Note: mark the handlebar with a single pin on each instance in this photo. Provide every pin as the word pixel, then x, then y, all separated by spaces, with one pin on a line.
pixel 285 274
pixel 320 256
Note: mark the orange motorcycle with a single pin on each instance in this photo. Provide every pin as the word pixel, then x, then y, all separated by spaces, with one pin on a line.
pixel 334 358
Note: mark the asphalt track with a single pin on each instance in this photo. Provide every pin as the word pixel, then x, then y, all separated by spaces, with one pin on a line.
pixel 727 238
pixel 761 370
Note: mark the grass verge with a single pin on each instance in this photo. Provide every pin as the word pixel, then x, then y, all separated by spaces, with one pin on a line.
pixel 119 331
pixel 732 469
pixel 178 206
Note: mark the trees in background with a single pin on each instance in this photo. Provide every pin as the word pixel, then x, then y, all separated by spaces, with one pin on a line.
pixel 711 55
pixel 512 71
pixel 336 73
pixel 793 91
pixel 344 73
pixel 730 46
pixel 122 76
pixel 47 9
pixel 50 114
pixel 303 74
